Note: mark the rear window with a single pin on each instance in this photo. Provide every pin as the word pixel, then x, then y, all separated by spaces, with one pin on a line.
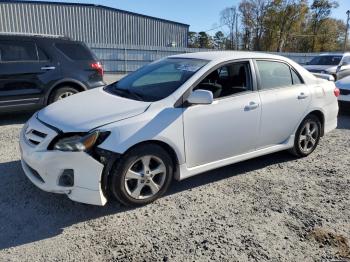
pixel 325 60
pixel 12 51
pixel 75 51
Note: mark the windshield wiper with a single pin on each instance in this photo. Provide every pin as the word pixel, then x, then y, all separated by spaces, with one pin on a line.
pixel 128 93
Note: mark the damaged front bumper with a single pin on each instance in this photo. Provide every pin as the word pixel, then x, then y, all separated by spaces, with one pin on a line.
pixel 76 174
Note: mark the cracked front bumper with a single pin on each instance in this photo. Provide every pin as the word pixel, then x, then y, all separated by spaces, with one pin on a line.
pixel 44 167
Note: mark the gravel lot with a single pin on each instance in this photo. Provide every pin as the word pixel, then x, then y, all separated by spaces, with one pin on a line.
pixel 274 208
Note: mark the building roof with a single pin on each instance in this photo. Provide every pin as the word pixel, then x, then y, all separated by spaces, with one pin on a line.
pixel 89 5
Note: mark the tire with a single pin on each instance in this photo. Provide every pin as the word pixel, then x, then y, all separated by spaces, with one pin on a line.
pixel 307 139
pixel 134 181
pixel 62 93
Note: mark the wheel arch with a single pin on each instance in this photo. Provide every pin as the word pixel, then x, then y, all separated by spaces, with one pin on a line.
pixel 65 82
pixel 320 115
pixel 170 150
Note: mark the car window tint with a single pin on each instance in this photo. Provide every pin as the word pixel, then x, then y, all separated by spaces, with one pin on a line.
pixel 42 55
pixel 228 80
pixel 11 51
pixel 157 80
pixel 296 78
pixel 75 51
pixel 274 74
pixel 164 74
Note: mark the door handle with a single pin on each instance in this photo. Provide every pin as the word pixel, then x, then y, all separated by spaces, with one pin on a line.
pixel 48 68
pixel 251 106
pixel 302 96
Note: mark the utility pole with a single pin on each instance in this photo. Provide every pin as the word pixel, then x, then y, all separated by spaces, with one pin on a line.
pixel 347 30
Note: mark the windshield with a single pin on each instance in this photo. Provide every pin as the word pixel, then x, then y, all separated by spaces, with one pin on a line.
pixel 326 60
pixel 157 80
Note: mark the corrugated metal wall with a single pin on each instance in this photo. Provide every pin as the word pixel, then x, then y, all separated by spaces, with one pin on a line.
pixel 91 24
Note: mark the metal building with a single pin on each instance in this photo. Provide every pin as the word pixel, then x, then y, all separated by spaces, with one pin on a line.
pixel 94 24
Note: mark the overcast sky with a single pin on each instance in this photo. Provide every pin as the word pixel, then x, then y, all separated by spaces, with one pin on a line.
pixel 201 15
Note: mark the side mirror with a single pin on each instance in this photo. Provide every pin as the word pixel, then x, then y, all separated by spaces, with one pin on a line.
pixel 200 97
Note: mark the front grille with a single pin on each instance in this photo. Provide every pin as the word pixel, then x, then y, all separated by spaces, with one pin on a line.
pixel 344 92
pixel 34 137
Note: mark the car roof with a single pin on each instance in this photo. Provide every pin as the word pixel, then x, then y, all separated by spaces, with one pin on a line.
pixel 229 55
pixel 334 54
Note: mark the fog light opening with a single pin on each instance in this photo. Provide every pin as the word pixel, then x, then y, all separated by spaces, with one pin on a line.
pixel 67 178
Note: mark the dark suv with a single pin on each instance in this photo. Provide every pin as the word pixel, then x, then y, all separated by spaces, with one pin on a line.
pixel 36 70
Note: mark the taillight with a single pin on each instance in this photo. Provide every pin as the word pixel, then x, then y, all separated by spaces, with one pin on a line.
pixel 98 67
pixel 336 92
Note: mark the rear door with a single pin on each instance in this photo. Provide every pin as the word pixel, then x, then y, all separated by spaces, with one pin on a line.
pixel 284 98
pixel 22 74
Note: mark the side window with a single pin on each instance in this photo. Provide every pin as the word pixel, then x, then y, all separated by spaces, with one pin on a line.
pixel 274 74
pixel 42 55
pixel 12 51
pixel 228 80
pixel 296 78
pixel 346 60
pixel 75 51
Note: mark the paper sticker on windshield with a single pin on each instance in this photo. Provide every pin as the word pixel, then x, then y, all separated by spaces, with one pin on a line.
pixel 188 67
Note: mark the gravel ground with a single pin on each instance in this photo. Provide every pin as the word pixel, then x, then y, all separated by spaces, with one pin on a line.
pixel 274 208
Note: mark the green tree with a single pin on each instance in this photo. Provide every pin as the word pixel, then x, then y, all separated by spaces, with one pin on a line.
pixel 204 40
pixel 320 12
pixel 193 40
pixel 219 40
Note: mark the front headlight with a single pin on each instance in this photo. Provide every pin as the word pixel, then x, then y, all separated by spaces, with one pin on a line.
pixel 77 143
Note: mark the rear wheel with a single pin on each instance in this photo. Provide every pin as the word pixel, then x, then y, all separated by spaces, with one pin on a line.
pixel 307 136
pixel 62 93
pixel 142 175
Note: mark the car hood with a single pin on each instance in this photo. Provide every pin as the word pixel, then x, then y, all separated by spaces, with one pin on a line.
pixel 90 109
pixel 319 68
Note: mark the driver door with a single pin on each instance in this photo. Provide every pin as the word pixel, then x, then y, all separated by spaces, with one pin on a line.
pixel 229 126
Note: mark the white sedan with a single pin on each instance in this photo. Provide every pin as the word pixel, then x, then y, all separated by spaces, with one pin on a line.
pixel 175 118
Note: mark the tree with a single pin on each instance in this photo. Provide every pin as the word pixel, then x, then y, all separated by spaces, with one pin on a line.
pixel 193 40
pixel 229 17
pixel 330 35
pixel 283 19
pixel 219 40
pixel 320 12
pixel 253 13
pixel 204 40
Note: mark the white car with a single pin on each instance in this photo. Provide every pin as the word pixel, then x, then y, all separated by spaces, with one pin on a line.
pixel 344 87
pixel 175 118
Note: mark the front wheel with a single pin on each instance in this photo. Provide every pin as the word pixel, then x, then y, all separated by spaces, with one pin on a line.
pixel 307 136
pixel 142 175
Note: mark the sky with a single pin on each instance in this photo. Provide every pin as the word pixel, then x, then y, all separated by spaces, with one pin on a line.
pixel 201 15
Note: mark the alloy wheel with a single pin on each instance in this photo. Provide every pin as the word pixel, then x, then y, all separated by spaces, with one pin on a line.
pixel 64 95
pixel 145 177
pixel 308 136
